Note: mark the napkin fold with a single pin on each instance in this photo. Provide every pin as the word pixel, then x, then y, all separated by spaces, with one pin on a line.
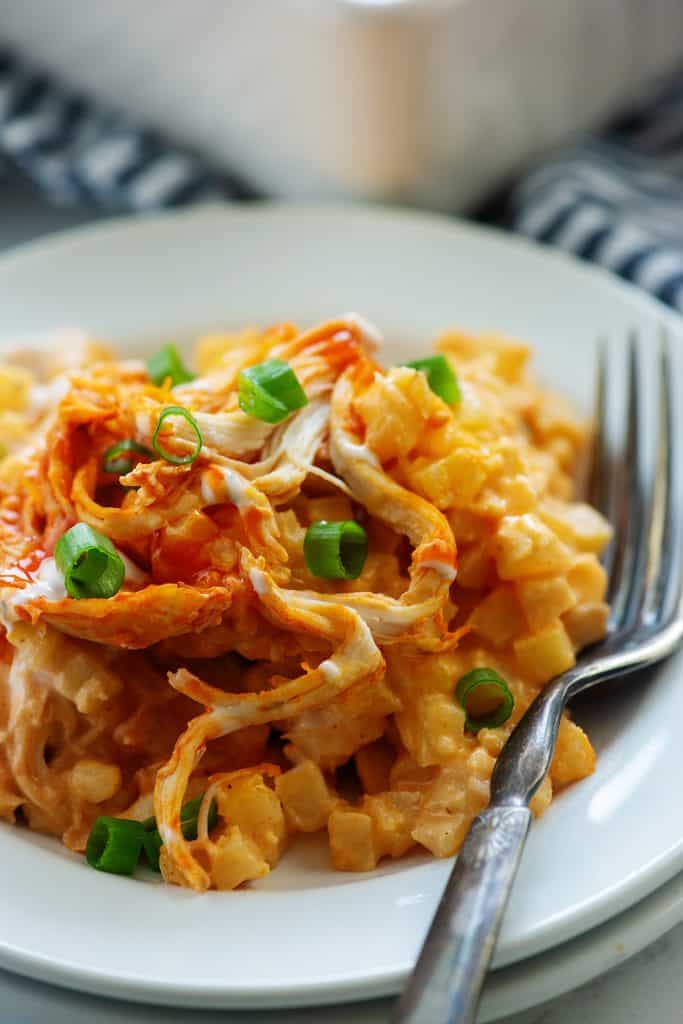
pixel 617 199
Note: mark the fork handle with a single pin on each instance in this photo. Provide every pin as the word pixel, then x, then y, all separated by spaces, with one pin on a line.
pixel 447 982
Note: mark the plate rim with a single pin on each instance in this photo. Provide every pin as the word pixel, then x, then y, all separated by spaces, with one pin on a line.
pixel 372 983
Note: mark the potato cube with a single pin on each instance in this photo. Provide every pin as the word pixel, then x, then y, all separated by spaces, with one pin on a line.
pixel 333 508
pixel 544 599
pixel 452 481
pixel 498 618
pixel 95 781
pixel 545 654
pixel 432 728
pixel 393 414
pixel 475 567
pixel 587 578
pixel 373 764
pixel 15 384
pixel 525 546
pixel 236 858
pixel 469 527
pixel 577 524
pixel 574 756
pixel 306 798
pixel 542 798
pixel 508 357
pixel 587 623
pixel 250 804
pixel 352 840
pixel 393 817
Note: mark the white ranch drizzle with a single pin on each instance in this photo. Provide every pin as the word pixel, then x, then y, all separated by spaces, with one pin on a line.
pixel 443 569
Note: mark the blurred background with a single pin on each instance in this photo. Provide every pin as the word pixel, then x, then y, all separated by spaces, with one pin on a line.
pixel 562 119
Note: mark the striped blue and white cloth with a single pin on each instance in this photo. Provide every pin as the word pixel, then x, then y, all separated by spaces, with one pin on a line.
pixel 617 199
pixel 79 153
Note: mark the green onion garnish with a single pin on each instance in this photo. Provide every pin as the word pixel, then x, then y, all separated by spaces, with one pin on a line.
pixel 177 460
pixel 336 551
pixel 89 562
pixel 189 813
pixel 486 699
pixel 440 377
pixel 114 845
pixel 119 459
pixel 270 391
pixel 168 364
pixel 151 844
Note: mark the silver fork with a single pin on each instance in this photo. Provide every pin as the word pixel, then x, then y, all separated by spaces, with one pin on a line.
pixel 645 572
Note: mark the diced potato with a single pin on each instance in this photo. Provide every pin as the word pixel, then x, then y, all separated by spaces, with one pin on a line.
pixel 95 781
pixel 574 757
pixel 216 351
pixel 306 798
pixel 587 578
pixel 15 385
pixel 509 357
pixel 469 527
pixel 577 524
pixel 352 840
pixel 498 617
pixel 331 735
pixel 587 623
pixel 452 481
pixel 249 803
pixel 444 817
pixel 553 415
pixel 333 508
pixel 236 858
pixel 442 834
pixel 393 818
pixel 544 599
pixel 545 654
pixel 525 546
pixel 373 764
pixel 394 409
pixel 475 567
pixel 432 729
pixel 542 798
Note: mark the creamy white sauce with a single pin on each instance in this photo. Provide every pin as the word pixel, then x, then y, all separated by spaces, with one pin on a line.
pixel 443 569
pixel 44 397
pixel 48 583
pixel 361 452
pixel 259 581
pixel 330 671
pixel 232 487
pixel 371 335
pixel 134 574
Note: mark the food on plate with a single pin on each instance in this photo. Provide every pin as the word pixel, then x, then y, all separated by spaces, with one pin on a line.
pixel 296 592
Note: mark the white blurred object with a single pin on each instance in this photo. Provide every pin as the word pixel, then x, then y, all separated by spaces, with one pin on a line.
pixel 434 102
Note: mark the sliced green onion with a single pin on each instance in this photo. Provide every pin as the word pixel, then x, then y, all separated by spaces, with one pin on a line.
pixel 89 562
pixel 189 814
pixel 151 844
pixel 440 377
pixel 119 459
pixel 486 699
pixel 270 391
pixel 336 551
pixel 177 460
pixel 167 364
pixel 114 845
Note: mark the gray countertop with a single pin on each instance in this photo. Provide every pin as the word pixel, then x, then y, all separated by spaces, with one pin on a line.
pixel 648 989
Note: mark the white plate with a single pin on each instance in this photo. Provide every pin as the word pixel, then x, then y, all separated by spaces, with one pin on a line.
pixel 308 935
pixel 507 991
